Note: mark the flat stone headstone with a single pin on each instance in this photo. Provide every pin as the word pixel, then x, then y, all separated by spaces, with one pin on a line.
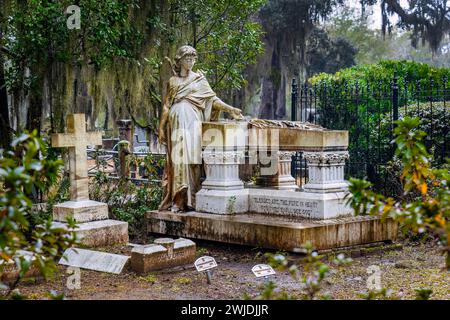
pixel 94 260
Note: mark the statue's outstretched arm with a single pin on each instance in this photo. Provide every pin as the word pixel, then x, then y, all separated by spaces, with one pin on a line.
pixel 222 106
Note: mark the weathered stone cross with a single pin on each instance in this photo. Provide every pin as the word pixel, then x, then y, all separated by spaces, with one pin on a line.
pixel 77 139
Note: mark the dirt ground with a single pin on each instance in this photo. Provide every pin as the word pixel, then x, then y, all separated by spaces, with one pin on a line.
pixel 410 267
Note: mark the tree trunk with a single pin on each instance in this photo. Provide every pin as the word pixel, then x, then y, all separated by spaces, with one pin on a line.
pixel 5 132
pixel 34 114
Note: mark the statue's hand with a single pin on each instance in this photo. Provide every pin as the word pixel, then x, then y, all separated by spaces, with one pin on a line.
pixel 236 114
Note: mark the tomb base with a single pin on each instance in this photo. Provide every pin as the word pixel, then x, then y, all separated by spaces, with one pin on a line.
pixel 81 211
pixel 299 204
pixel 274 202
pixel 222 201
pixel 273 232
pixel 100 233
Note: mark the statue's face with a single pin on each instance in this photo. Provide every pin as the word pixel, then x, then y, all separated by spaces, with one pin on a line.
pixel 188 61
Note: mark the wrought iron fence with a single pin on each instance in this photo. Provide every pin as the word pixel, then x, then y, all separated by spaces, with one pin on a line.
pixel 145 167
pixel 368 112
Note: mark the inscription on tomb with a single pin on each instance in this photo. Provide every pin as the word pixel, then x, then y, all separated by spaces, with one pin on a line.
pixel 281 206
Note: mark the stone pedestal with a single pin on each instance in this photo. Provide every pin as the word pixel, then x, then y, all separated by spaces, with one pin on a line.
pixel 283 179
pixel 222 170
pixel 326 171
pixel 81 211
pixel 221 201
pixel 222 191
pixel 94 227
pixel 324 196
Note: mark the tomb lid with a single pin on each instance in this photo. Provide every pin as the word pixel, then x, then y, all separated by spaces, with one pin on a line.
pixel 182 243
pixel 164 241
pixel 148 249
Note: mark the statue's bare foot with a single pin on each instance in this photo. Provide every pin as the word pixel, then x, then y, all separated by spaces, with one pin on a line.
pixel 175 209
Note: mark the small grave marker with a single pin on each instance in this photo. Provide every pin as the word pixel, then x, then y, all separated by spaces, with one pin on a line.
pixel 263 270
pixel 205 264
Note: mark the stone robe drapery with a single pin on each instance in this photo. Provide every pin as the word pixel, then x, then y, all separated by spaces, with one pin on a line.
pixel 191 103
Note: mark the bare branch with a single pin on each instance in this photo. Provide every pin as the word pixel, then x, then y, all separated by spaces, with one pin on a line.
pixel 407 18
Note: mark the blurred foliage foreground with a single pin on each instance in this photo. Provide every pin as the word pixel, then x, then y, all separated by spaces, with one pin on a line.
pixel 429 209
pixel 25 244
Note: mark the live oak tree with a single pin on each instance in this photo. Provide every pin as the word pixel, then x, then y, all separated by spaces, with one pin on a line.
pixel 39 44
pixel 226 37
pixel 429 20
pixel 296 21
pixel 114 62
pixel 295 46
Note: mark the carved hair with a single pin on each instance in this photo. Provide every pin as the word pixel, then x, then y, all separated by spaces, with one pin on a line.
pixel 182 52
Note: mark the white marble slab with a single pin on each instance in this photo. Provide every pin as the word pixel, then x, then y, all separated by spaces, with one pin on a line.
pixel 94 260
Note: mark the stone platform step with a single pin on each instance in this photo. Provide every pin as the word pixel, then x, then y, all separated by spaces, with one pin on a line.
pixel 273 232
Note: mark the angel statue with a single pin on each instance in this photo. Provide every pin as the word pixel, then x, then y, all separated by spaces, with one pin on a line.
pixel 188 102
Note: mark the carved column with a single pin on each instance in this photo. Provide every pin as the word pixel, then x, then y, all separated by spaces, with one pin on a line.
pixel 326 171
pixel 283 178
pixel 222 191
pixel 222 170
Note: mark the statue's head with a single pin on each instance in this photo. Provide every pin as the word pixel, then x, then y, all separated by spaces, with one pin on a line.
pixel 186 57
